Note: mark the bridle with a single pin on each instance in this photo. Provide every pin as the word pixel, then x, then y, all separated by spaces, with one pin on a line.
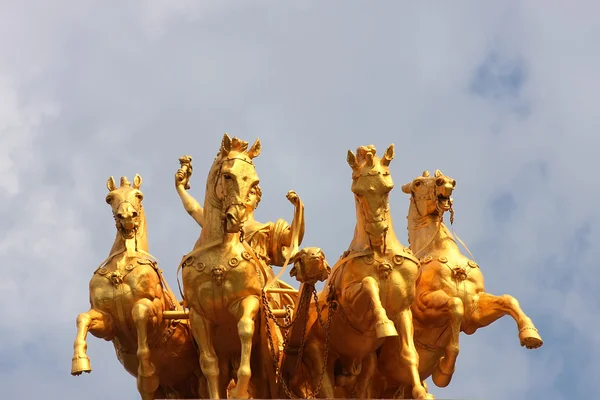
pixel 383 217
pixel 219 181
pixel 440 221
pixel 118 222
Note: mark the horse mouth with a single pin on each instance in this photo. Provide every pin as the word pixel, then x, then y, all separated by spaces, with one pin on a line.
pixel 127 229
pixel 444 203
pixel 234 224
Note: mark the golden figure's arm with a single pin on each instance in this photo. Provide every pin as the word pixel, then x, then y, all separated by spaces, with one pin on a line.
pixel 182 179
pixel 191 205
pixel 297 222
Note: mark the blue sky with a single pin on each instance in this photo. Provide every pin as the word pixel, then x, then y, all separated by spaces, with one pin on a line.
pixel 501 96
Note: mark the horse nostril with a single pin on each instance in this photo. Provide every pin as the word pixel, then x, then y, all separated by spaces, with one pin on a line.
pixel 134 214
pixel 120 216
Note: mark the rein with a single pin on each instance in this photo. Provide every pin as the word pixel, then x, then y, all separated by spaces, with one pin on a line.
pixel 440 222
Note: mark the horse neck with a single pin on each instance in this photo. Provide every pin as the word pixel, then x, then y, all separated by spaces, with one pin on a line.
pixel 427 232
pixel 139 242
pixel 361 239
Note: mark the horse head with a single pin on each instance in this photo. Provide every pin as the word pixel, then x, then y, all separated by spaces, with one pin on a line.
pixel 233 180
pixel 371 185
pixel 431 195
pixel 126 204
pixel 310 266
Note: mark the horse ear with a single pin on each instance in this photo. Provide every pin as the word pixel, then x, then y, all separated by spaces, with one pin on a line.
pixel 406 188
pixel 438 173
pixel 388 156
pixel 137 181
pixel 255 149
pixel 111 184
pixel 351 158
pixel 425 174
pixel 225 145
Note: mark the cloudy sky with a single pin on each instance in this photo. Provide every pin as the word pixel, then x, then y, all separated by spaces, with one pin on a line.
pixel 501 96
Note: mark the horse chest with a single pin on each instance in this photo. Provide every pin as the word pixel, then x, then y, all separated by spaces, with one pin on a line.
pixel 388 268
pixel 105 296
pixel 124 283
pixel 453 270
pixel 236 269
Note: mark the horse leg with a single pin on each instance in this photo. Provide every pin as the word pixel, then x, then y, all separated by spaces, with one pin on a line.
pixel 246 312
pixel 320 374
pixel 95 322
pixel 364 380
pixel 368 290
pixel 224 374
pixel 147 378
pixel 434 305
pixel 409 358
pixel 203 330
pixel 488 308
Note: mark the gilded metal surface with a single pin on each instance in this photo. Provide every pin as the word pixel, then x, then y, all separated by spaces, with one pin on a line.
pixel 388 318
pixel 450 294
pixel 369 292
pixel 128 296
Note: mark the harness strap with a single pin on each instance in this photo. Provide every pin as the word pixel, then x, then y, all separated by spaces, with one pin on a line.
pixel 463 244
pixel 262 266
pixel 191 253
pixel 343 260
pixel 163 281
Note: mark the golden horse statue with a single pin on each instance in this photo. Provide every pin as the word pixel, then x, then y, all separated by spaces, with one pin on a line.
pixel 271 242
pixel 224 282
pixel 367 297
pixel 129 299
pixel 451 296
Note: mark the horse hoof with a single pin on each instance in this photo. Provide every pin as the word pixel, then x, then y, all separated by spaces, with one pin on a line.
pixel 440 377
pixel 239 395
pixel 422 393
pixel 148 384
pixel 530 338
pixel 385 329
pixel 79 365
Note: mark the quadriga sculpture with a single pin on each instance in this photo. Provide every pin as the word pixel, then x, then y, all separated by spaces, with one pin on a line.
pixel 451 296
pixel 128 297
pixel 368 294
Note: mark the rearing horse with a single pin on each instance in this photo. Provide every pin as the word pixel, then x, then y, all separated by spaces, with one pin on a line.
pixel 223 281
pixel 128 296
pixel 369 291
pixel 451 296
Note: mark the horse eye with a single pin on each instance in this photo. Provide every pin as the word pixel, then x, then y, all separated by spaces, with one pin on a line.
pixel 109 199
